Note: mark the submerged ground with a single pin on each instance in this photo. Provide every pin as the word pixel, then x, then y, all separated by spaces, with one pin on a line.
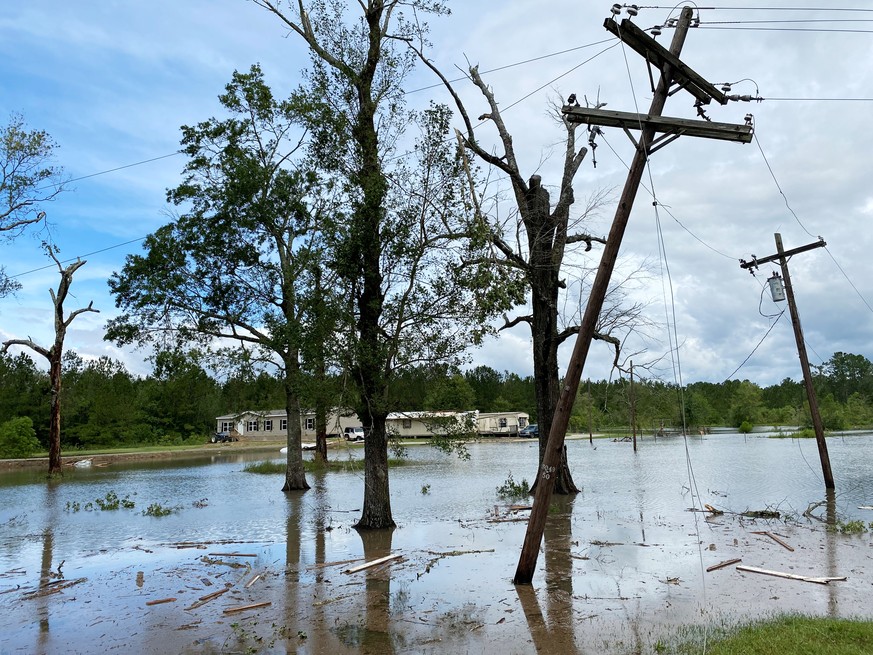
pixel 623 565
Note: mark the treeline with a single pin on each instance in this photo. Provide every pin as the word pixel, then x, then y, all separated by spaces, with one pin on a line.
pixel 106 406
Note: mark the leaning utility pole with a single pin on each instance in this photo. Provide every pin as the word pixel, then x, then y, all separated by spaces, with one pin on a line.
pixel 672 71
pixel 782 257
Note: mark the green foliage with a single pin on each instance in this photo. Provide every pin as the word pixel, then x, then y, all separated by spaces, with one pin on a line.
pixel 110 503
pixel 17 438
pixel 158 510
pixel 27 180
pixel 425 489
pixel 510 489
pixel 113 502
pixel 850 527
pixel 745 427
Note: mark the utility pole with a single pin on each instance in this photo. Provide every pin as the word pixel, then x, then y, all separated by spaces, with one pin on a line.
pixel 633 406
pixel 672 71
pixel 782 256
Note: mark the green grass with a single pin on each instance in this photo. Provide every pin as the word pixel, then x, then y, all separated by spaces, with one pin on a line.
pixel 789 634
pixel 270 467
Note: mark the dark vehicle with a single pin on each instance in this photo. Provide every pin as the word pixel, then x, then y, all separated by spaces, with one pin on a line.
pixel 223 437
pixel 530 432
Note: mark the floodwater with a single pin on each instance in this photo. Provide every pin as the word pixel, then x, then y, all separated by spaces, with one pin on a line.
pixel 621 568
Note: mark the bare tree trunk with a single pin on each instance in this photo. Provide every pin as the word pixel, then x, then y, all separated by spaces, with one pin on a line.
pixel 55 414
pixel 55 354
pixel 543 274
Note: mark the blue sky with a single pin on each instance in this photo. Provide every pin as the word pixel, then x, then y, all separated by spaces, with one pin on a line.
pixel 112 82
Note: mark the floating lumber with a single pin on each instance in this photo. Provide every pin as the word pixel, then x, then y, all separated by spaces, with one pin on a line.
pixel 232 554
pixel 774 538
pixel 243 608
pixel 792 576
pixel 721 565
pixel 214 594
pixel 865 507
pixel 253 580
pixel 160 601
pixel 375 562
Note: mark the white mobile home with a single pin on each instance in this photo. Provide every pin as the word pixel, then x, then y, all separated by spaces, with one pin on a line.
pixel 501 424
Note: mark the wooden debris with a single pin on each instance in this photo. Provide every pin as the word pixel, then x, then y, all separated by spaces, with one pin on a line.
pixel 712 510
pixel 865 507
pixel 253 580
pixel 232 554
pixel 721 565
pixel 243 608
pixel 340 563
pixel 160 601
pixel 214 594
pixel 455 553
pixel 375 562
pixel 774 538
pixel 792 576
pixel 761 514
pixel 53 587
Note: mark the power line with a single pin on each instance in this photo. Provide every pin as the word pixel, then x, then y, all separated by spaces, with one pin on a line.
pixel 72 259
pixel 766 334
pixel 842 9
pixel 518 63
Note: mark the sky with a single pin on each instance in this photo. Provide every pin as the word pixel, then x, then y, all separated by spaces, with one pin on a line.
pixel 112 82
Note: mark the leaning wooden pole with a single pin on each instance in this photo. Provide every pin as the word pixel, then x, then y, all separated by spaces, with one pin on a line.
pixel 804 365
pixel 554 447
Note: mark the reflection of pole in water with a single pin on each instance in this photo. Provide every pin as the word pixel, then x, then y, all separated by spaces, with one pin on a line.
pixel 831 548
pixel 559 577
pixel 536 624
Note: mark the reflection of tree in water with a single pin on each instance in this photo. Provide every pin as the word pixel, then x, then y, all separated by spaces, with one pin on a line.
pixel 376 637
pixel 46 574
pixel 554 632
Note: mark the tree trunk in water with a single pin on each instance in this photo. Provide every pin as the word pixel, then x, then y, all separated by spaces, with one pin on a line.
pixel 295 476
pixel 377 498
pixel 544 283
pixel 55 416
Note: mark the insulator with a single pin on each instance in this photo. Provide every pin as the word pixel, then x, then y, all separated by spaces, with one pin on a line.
pixel 695 22
pixel 616 9
pixel 632 10
pixel 726 87
pixel 671 22
pixel 656 30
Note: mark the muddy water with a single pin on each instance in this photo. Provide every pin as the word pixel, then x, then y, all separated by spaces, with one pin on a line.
pixel 622 564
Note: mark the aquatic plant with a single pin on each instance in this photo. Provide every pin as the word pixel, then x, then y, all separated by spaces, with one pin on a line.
pixel 511 489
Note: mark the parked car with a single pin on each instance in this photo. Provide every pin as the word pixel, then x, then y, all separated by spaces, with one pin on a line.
pixel 354 434
pixel 223 437
pixel 530 432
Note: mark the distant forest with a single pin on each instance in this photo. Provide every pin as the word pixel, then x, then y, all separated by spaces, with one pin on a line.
pixel 105 406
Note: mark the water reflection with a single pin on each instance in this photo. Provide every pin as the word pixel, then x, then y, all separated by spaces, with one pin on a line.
pixel 631 519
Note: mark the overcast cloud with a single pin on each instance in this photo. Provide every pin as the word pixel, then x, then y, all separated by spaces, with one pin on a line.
pixel 113 82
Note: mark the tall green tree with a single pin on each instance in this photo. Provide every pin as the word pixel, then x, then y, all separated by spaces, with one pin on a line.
pixel 846 373
pixel 237 264
pixel 412 300
pixel 27 181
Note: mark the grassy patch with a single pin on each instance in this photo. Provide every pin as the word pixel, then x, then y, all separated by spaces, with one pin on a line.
pixel 798 635
pixel 270 467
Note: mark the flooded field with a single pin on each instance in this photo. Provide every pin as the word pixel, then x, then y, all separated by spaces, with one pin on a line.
pixel 623 564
